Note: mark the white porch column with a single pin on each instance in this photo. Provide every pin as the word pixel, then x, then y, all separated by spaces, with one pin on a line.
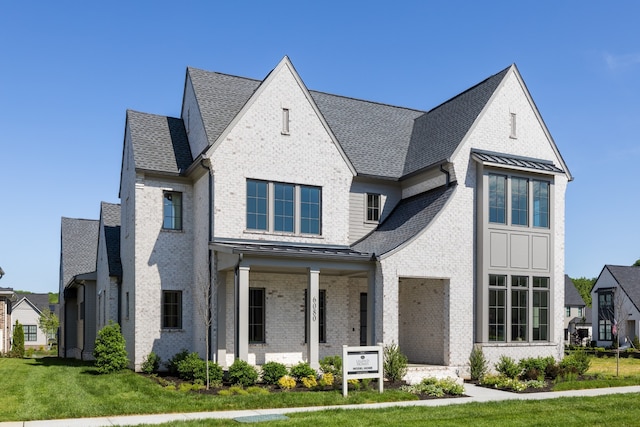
pixel 220 333
pixel 313 313
pixel 242 319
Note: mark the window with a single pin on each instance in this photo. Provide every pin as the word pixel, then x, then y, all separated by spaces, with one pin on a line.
pixel 285 121
pixel 605 315
pixel 256 315
pixel 497 307
pixel 172 309
pixel 172 210
pixel 30 332
pixel 519 201
pixel 580 311
pixel 497 199
pixel 285 208
pixel 541 204
pixel 514 129
pixel 256 205
pixel 567 311
pixel 322 317
pixel 373 207
pixel 519 305
pixel 540 309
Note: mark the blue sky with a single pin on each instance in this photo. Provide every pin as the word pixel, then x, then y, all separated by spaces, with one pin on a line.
pixel 69 70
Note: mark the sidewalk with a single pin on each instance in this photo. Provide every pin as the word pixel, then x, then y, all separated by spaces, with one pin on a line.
pixel 474 393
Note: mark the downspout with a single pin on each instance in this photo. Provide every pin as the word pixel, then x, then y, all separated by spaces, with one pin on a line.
pixel 447 173
pixel 84 318
pixel 236 305
pixel 119 283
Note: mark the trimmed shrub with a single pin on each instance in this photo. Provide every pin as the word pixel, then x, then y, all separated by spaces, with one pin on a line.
pixel 478 365
pixel 193 368
pixel 302 370
pixel 109 350
pixel 287 382
pixel 272 372
pixel 395 363
pixel 578 362
pixel 151 363
pixel 331 365
pixel 326 380
pixel 242 373
pixel 534 368
pixel 508 367
pixel 172 364
pixel 17 345
pixel 310 381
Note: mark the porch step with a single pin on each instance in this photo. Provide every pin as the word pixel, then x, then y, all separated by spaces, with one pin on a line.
pixel 415 373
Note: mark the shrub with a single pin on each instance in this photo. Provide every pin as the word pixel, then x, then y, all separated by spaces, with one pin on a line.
pixel 508 367
pixel 326 379
pixel 287 382
pixel 395 363
pixel 193 368
pixel 534 368
pixel 151 363
pixel 17 345
pixel 29 352
pixel 242 373
pixel 578 362
pixel 436 387
pixel 478 365
pixel 310 381
pixel 109 350
pixel 331 365
pixel 172 364
pixel 302 370
pixel 272 372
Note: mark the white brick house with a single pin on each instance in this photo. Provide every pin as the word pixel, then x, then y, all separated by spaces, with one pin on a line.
pixel 317 220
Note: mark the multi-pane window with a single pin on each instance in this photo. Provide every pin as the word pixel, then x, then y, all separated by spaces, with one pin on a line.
pixel 172 210
pixel 519 305
pixel 256 315
pixel 30 332
pixel 541 204
pixel 497 307
pixel 497 199
pixel 540 309
pixel 284 208
pixel 567 311
pixel 519 201
pixel 321 313
pixel 257 205
pixel 373 207
pixel 172 309
pixel 580 311
pixel 606 314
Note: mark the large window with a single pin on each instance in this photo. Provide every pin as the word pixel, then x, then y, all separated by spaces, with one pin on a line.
pixel 321 307
pixel 172 210
pixel 30 332
pixel 519 201
pixel 541 204
pixel 256 315
pixel 172 309
pixel 519 305
pixel 497 307
pixel 606 314
pixel 497 199
pixel 284 208
pixel 373 207
pixel 540 309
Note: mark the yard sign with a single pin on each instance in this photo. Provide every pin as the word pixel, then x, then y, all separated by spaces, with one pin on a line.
pixel 361 362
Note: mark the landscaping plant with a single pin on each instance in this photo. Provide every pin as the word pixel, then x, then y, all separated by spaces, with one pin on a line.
pixel 331 365
pixel 151 363
pixel 302 370
pixel 508 367
pixel 395 363
pixel 242 373
pixel 478 365
pixel 17 346
pixel 272 372
pixel 172 363
pixel 109 350
pixel 193 368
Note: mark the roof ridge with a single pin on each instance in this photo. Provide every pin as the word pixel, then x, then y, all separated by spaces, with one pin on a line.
pixel 384 104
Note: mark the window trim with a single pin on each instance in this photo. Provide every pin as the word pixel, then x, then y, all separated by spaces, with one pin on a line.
pixel 166 317
pixel 30 331
pixel 251 321
pixel 173 222
pixel 497 207
pixel 376 211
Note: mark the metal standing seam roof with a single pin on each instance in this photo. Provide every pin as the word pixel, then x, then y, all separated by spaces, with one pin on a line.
pixel 79 247
pixel 110 217
pixel 292 250
pixel 516 161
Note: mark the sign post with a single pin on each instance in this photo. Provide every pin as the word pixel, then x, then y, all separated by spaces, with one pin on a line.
pixel 361 362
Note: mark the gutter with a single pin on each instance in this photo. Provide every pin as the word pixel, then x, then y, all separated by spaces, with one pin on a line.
pixel 447 173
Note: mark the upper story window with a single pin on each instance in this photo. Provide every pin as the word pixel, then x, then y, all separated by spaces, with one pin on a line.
pixel 284 208
pixel 172 210
pixel 528 202
pixel 373 207
pixel 497 199
pixel 519 201
pixel 540 204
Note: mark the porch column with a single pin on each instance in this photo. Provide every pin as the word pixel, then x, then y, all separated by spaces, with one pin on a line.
pixel 242 319
pixel 371 307
pixel 221 319
pixel 312 318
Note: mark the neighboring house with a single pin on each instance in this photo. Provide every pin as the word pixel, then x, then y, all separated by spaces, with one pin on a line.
pixel 615 301
pixel 303 221
pixel 6 297
pixel 577 316
pixel 27 310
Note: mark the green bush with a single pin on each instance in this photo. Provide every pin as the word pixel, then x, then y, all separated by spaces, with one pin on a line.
pixel 395 363
pixel 436 388
pixel 172 364
pixel 272 372
pixel 534 368
pixel 578 362
pixel 193 368
pixel 241 373
pixel 109 350
pixel 478 365
pixel 17 345
pixel 151 363
pixel 508 367
pixel 302 370
pixel 331 365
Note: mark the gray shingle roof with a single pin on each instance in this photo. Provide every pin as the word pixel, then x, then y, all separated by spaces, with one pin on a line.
pixel 110 216
pixel 572 297
pixel 79 247
pixel 628 279
pixel 408 218
pixel 159 143
pixel 41 301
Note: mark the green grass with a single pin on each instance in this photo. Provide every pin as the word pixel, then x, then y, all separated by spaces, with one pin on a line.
pixel 51 388
pixel 604 372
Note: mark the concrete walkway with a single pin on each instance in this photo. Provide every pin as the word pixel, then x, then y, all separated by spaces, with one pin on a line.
pixel 474 394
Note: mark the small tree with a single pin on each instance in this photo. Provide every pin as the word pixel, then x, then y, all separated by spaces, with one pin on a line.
pixel 395 363
pixel 478 365
pixel 17 348
pixel 48 323
pixel 109 350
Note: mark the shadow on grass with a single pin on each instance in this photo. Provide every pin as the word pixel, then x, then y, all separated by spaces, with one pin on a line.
pixel 57 361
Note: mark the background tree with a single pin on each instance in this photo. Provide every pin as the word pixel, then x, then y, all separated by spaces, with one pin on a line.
pixel 17 347
pixel 584 285
pixel 637 263
pixel 48 323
